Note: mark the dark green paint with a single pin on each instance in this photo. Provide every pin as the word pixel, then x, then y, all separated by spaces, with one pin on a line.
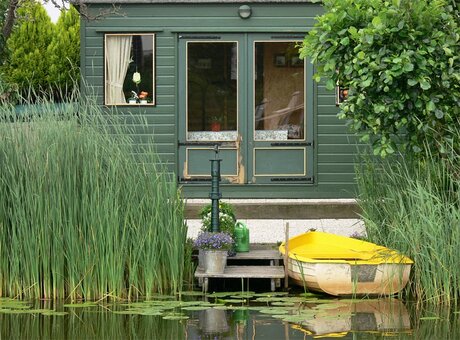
pixel 329 160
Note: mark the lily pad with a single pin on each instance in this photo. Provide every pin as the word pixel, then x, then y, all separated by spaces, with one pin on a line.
pixel 277 311
pixel 139 304
pixel 234 300
pixel 54 313
pixel 175 317
pixel 309 294
pixel 239 308
pixel 81 305
pixel 15 303
pixel 242 296
pixel 17 311
pixel 196 308
pixel 127 312
pixel 162 297
pixel 295 318
pixel 330 306
pixel 152 313
pixel 282 303
pixel 269 299
pixel 192 293
pixel 221 294
pixel 271 294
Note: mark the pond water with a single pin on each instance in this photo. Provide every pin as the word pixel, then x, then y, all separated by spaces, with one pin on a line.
pixel 244 315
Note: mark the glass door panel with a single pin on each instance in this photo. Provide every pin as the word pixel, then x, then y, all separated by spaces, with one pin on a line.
pixel 212 91
pixel 279 132
pixel 279 91
pixel 210 107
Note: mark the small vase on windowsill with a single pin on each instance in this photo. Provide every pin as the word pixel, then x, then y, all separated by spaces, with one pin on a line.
pixel 144 101
pixel 132 101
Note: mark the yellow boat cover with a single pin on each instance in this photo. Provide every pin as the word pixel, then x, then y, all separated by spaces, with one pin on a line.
pixel 315 246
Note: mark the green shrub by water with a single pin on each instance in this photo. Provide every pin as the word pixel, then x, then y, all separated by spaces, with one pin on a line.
pixel 81 215
pixel 414 207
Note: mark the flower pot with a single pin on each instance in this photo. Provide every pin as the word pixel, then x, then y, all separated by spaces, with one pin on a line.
pixel 144 101
pixel 132 101
pixel 215 261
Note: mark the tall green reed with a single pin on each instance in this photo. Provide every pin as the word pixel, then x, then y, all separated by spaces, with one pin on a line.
pixel 413 205
pixel 84 212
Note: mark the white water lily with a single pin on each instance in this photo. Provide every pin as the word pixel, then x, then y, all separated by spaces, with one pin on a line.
pixel 136 77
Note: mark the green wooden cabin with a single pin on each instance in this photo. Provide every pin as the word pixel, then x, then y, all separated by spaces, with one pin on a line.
pixel 228 73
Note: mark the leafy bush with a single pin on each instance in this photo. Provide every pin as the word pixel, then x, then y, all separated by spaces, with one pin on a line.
pixel 400 61
pixel 64 51
pixel 28 64
pixel 227 218
pixel 43 57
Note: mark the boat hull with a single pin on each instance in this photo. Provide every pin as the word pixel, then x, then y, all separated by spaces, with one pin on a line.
pixel 344 279
pixel 339 265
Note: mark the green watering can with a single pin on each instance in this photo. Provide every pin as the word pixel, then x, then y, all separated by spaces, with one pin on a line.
pixel 241 236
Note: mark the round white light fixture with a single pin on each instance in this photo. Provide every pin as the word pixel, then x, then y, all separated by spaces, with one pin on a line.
pixel 244 11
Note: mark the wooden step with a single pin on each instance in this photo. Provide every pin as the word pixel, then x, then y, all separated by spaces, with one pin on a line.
pixel 262 254
pixel 246 272
pixel 274 273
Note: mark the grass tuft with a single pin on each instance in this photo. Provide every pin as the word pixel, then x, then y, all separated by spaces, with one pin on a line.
pixel 414 206
pixel 85 213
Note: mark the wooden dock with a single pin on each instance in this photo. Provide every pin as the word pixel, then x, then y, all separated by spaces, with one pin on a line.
pixel 273 271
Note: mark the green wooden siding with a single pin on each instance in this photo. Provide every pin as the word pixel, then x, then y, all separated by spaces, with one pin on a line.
pixel 334 148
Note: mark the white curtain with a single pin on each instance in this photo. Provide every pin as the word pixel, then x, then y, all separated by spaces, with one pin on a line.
pixel 117 59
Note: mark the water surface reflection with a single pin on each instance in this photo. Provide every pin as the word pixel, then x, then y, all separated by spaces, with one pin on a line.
pixel 214 318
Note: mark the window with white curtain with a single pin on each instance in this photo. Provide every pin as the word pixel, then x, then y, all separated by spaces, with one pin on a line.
pixel 129 66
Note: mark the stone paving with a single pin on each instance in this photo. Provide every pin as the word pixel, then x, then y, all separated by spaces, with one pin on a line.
pixel 272 230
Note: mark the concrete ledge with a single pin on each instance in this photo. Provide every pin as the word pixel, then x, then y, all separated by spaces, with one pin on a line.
pixel 283 208
pixel 271 231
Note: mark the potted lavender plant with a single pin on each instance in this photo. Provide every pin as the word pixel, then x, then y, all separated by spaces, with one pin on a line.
pixel 214 247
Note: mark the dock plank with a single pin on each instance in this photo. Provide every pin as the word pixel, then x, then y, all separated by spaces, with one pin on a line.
pixel 249 272
pixel 262 254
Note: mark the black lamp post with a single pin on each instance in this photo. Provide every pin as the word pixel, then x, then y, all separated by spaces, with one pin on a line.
pixel 215 194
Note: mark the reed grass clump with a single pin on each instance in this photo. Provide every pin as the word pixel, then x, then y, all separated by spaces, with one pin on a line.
pixel 413 205
pixel 85 213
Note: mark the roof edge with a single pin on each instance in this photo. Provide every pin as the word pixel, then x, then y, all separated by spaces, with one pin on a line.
pixel 189 1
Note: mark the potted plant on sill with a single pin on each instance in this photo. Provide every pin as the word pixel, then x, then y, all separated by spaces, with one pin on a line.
pixel 134 98
pixel 214 248
pixel 216 123
pixel 143 97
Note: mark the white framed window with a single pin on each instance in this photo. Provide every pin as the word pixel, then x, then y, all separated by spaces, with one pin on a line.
pixel 129 69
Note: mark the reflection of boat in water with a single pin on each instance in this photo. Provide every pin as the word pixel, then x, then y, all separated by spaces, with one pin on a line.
pixel 340 317
pixel 340 265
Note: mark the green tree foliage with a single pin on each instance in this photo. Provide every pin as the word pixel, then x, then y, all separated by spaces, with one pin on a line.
pixel 28 64
pixel 400 61
pixel 64 51
pixel 3 10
